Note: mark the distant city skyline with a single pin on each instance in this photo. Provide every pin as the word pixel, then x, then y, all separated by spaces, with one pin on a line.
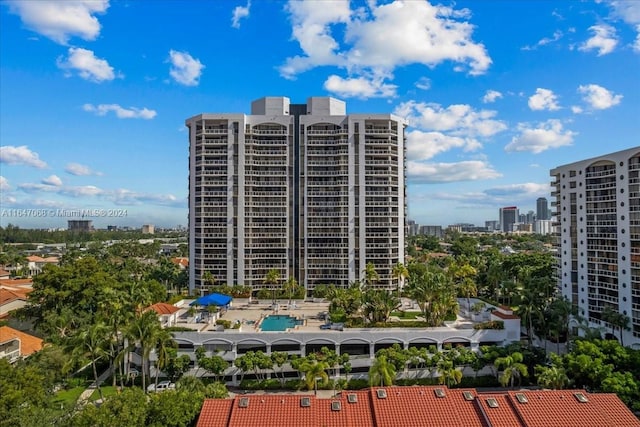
pixel 92 109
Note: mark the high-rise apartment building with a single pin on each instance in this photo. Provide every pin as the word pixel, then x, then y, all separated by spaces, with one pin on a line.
pixel 597 209
pixel 542 209
pixel 304 189
pixel 508 216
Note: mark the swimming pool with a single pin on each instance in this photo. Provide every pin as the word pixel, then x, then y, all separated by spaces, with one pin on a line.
pixel 279 322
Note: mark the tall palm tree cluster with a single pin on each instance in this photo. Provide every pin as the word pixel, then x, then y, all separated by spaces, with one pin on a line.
pixel 96 311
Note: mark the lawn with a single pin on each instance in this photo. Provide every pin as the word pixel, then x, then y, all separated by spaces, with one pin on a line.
pixel 406 314
pixel 69 396
pixel 106 392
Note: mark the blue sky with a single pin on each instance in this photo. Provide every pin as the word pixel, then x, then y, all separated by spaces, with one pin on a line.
pixel 94 94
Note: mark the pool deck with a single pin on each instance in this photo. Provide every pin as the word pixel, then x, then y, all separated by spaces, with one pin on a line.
pixel 250 315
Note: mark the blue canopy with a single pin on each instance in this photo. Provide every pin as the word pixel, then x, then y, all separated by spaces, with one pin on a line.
pixel 213 299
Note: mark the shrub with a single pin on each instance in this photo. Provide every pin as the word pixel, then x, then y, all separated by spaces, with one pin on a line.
pixel 357 384
pixel 491 324
pixel 224 322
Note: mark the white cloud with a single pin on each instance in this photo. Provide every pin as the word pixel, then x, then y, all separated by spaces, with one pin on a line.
pixel 458 119
pixel 491 96
pixel 87 65
pixel 598 97
pixel 4 184
pixel 21 155
pixel 544 99
pixel 121 112
pixel 557 35
pixel 379 38
pixel 238 13
pixel 311 22
pixel 576 109
pixel 471 170
pixel 52 180
pixel 359 87
pixel 515 190
pixel 119 196
pixel 80 170
pixel 425 145
pixel 70 191
pixel 546 135
pixel 636 44
pixel 604 40
pixel 61 20
pixel 185 69
pixel 423 83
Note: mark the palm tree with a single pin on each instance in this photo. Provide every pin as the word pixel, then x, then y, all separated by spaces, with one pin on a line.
pixel 91 341
pixel 512 367
pixel 400 273
pixel 145 330
pixel 271 279
pixel 377 305
pixel 449 374
pixel 431 289
pixel 382 372
pixel 552 377
pixel 314 370
pixel 164 346
pixel 290 287
pixel 616 320
pixel 370 274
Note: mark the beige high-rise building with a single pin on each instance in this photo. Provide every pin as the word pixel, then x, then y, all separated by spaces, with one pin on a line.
pixel 305 189
pixel 597 212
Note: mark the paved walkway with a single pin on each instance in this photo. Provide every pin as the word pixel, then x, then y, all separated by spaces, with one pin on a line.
pixel 84 397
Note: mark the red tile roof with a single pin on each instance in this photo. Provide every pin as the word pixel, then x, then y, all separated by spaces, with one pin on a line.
pixel 28 343
pixel 420 406
pixel 163 308
pixel 275 411
pixel 501 416
pixel 215 413
pixel 181 261
pixel 16 282
pixel 546 408
pixel 8 294
pixel 616 411
pixel 504 315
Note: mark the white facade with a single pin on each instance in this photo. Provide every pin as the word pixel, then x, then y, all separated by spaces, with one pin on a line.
pixel 597 208
pixel 301 188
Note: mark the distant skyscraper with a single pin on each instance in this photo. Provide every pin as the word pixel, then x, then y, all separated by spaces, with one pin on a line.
pixel 80 225
pixel 306 190
pixel 508 216
pixel 542 209
pixel 598 218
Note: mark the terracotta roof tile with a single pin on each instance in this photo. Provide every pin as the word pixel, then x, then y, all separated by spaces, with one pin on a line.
pixel 354 411
pixel 615 410
pixel 163 308
pixel 34 258
pixel 8 294
pixel 420 406
pixel 503 415
pixel 215 413
pixel 545 408
pixel 28 343
pixel 4 273
pixel 16 282
pixel 181 261
pixel 275 411
pixel 504 315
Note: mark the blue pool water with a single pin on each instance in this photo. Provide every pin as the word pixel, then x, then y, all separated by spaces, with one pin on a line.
pixel 279 322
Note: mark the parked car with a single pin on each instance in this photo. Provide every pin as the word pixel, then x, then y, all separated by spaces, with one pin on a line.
pixel 162 386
